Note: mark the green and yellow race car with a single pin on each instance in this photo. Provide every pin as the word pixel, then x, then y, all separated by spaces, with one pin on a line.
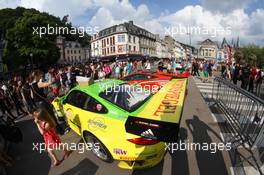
pixel 125 122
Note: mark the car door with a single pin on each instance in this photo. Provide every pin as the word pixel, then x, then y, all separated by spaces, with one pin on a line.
pixel 95 116
pixel 73 105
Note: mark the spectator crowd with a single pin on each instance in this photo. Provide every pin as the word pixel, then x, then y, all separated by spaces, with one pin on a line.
pixel 247 77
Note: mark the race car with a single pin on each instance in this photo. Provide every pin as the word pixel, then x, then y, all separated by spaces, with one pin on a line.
pixel 123 122
pixel 152 81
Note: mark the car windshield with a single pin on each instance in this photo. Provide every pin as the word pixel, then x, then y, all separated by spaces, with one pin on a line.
pixel 128 97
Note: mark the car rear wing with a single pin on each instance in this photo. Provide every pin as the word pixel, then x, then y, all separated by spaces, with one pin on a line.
pixel 152 129
pixel 160 117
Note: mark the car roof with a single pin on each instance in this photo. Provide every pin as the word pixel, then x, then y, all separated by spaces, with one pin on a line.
pixel 99 86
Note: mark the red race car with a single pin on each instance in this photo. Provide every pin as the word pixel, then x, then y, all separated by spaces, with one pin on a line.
pixel 152 81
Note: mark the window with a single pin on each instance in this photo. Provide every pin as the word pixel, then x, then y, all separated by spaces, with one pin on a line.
pixel 134 48
pixel 74 51
pixel 114 49
pixel 107 41
pixel 134 39
pixel 68 51
pixel 113 40
pixel 71 51
pixel 121 38
pixel 93 105
pixel 128 98
pixel 138 77
pixel 79 51
pixel 129 48
pixel 76 98
pixel 129 38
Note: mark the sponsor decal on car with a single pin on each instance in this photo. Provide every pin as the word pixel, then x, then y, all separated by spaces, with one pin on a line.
pixel 119 151
pixel 171 99
pixel 128 158
pixel 148 134
pixel 96 123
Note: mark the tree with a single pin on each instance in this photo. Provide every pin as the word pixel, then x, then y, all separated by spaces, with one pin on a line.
pixel 22 40
pixel 16 26
pixel 252 55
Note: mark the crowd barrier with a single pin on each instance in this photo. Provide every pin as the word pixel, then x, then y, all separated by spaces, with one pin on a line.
pixel 244 118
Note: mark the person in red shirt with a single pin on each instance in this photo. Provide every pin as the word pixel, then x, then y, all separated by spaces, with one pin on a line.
pixel 46 126
pixel 253 74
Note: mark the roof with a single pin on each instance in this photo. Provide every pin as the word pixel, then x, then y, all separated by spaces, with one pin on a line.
pixel 99 86
pixel 207 42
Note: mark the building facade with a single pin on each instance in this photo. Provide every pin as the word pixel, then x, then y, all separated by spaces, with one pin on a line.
pixel 72 51
pixel 170 45
pixel 226 52
pixel 161 49
pixel 207 50
pixel 124 40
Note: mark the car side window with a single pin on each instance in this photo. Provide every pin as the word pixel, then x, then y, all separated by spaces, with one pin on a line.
pixel 138 77
pixel 77 99
pixel 95 106
pixel 128 78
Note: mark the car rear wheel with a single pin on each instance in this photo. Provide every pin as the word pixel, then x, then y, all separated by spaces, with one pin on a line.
pixel 98 148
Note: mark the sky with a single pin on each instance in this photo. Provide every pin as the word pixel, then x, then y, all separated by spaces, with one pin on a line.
pixel 187 21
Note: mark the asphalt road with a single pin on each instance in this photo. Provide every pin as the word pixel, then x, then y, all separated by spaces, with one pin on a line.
pixel 197 126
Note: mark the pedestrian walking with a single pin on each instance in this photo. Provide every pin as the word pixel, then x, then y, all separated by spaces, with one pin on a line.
pixel 235 75
pixel 253 74
pixel 259 80
pixel 244 76
pixel 3 105
pixel 27 96
pixel 46 126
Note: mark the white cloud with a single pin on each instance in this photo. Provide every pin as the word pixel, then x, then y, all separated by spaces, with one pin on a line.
pixel 236 23
pixel 213 14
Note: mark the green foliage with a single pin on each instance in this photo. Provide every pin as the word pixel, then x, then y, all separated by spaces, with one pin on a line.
pixel 17 27
pixel 252 54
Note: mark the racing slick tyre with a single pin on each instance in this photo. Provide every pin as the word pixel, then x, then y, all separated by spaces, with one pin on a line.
pixel 98 148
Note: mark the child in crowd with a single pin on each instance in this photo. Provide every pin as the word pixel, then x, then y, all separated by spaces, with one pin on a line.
pixel 46 126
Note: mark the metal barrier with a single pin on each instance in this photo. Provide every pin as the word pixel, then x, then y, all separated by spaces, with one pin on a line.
pixel 244 115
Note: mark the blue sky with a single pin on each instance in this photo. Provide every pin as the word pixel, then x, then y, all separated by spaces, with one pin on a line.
pixel 159 6
pixel 215 19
